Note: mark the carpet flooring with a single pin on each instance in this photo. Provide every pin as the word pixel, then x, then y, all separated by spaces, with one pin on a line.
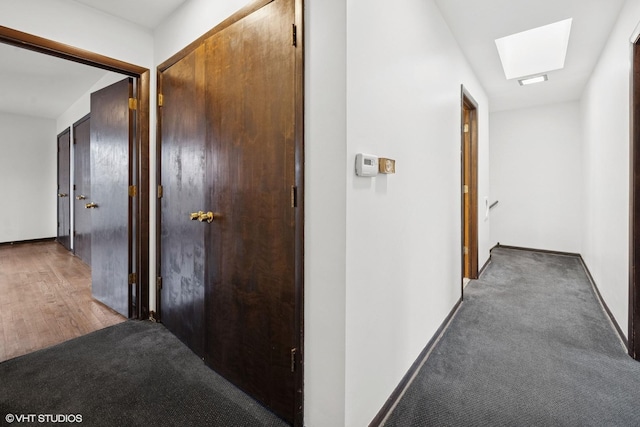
pixel 132 374
pixel 529 346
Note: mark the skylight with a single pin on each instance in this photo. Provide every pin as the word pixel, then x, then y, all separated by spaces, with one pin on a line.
pixel 534 51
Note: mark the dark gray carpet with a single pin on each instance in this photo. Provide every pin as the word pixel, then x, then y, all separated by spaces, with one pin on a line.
pixel 131 374
pixel 530 346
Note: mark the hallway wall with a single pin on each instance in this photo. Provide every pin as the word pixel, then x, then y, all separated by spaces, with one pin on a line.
pixel 404 71
pixel 28 166
pixel 536 176
pixel 605 115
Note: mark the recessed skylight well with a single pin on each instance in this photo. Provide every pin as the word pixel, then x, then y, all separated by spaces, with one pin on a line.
pixel 536 51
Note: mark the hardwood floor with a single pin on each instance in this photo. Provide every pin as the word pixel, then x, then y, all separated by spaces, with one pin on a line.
pixel 45 298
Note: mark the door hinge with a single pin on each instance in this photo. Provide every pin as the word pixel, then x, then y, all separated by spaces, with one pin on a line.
pixel 74 233
pixel 466 127
pixel 294 35
pixel 160 191
pixel 160 100
pixel 293 359
pixel 465 250
pixel 75 141
pixel 133 191
pixel 159 283
pixel 133 278
pixel 465 189
pixel 74 187
pixel 133 104
pixel 294 196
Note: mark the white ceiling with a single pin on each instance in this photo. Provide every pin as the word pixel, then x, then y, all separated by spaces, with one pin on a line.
pixel 147 13
pixel 44 86
pixel 38 85
pixel 477 23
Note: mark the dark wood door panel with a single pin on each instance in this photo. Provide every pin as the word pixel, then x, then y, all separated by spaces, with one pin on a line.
pixel 82 193
pixel 110 241
pixel 64 170
pixel 250 301
pixel 183 161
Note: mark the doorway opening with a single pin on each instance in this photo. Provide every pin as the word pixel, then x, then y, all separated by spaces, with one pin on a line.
pixel 469 190
pixel 139 160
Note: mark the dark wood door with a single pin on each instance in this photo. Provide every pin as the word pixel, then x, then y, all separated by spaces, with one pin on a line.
pixel 228 149
pixel 64 212
pixel 250 268
pixel 82 192
pixel 182 251
pixel 111 121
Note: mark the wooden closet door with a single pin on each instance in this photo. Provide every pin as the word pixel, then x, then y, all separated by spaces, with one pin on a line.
pixel 82 179
pixel 250 172
pixel 182 250
pixel 111 251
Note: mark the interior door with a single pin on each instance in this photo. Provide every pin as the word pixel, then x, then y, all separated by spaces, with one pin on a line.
pixel 182 251
pixel 64 212
pixel 469 186
pixel 82 180
pixel 250 268
pixel 111 252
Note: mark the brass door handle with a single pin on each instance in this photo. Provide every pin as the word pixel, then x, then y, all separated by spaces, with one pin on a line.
pixel 81 197
pixel 202 216
pixel 62 194
pixel 90 206
pixel 208 216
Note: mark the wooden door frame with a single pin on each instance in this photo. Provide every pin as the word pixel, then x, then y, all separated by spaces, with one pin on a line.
pixel 67 130
pixel 299 178
pixel 140 177
pixel 633 339
pixel 468 103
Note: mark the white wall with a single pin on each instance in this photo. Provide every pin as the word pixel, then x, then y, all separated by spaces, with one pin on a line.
pixel 28 178
pixel 536 175
pixel 605 117
pixel 404 71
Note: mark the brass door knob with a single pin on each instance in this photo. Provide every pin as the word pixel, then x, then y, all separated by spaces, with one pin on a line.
pixel 62 194
pixel 90 206
pixel 81 197
pixel 209 217
pixel 202 216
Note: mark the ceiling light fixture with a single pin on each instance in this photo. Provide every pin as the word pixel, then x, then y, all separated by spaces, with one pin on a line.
pixel 535 51
pixel 532 80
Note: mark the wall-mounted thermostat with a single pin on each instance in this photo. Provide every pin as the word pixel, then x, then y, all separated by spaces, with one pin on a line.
pixel 366 165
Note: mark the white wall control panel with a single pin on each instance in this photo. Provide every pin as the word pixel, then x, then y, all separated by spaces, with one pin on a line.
pixel 366 165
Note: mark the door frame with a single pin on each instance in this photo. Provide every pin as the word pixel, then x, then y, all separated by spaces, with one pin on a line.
pixel 468 105
pixel 299 179
pixel 633 339
pixel 68 187
pixel 139 163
